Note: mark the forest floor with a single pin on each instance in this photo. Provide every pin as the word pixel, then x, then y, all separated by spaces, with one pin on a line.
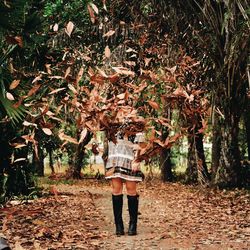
pixel 172 216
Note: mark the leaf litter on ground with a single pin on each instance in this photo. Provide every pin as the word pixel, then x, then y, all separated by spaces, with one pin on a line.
pixel 172 215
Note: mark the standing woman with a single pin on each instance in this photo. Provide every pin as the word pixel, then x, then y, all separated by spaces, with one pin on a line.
pixel 119 169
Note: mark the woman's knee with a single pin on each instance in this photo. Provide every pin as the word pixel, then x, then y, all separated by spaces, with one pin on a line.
pixel 117 186
pixel 131 188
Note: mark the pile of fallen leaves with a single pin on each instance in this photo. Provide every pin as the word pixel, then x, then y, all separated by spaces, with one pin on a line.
pixel 65 220
pixel 172 216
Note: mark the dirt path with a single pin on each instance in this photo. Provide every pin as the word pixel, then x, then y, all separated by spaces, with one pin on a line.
pixel 172 216
pixel 146 231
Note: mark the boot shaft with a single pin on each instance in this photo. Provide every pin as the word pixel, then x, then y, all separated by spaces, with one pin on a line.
pixel 117 201
pixel 133 202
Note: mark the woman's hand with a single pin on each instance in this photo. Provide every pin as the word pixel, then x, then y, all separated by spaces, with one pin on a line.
pixel 135 166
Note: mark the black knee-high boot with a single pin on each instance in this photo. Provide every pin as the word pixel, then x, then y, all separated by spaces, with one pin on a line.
pixel 133 202
pixel 117 209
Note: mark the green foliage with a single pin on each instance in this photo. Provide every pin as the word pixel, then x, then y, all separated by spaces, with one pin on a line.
pixel 61 11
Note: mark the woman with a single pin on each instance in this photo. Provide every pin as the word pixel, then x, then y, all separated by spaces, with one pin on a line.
pixel 121 168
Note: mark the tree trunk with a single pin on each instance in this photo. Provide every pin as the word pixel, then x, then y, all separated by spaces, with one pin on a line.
pixel 197 168
pixel 247 125
pixel 105 151
pixel 75 168
pixel 38 161
pixel 5 154
pixel 166 165
pixel 216 146
pixel 51 162
pixel 191 172
pixel 165 159
pixel 228 173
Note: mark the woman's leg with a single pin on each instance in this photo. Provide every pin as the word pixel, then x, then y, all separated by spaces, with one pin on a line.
pixel 117 200
pixel 133 202
pixel 131 188
pixel 117 186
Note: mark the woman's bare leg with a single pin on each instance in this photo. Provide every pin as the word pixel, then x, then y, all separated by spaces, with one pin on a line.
pixel 131 188
pixel 117 186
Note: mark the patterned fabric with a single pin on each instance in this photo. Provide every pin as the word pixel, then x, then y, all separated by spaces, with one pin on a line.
pixel 120 158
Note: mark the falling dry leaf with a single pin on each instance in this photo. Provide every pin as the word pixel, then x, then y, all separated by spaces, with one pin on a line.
pixel 107 52
pixel 121 96
pixel 124 71
pixel 69 28
pixel 20 145
pixel 14 84
pixel 67 72
pixel 26 123
pixel 109 33
pixel 18 246
pixel 172 70
pixel 10 96
pixel 130 63
pixel 34 90
pixel 91 14
pixel 147 61
pixel 94 7
pixel 19 159
pixel 154 105
pixel 56 91
pixel 72 88
pixel 79 75
pixel 62 136
pixel 38 78
pixel 55 27
pixel 47 131
pixel 19 41
pixel 83 135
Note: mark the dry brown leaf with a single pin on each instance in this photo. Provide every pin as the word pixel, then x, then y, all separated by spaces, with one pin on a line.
pixel 121 96
pixel 55 27
pixel 19 41
pixel 26 123
pixel 79 75
pixel 109 33
pixel 94 7
pixel 107 52
pixel 10 96
pixel 172 70
pixel 56 77
pixel 154 105
pixel 130 63
pixel 38 78
pixel 18 246
pixel 141 87
pixel 91 14
pixel 64 137
pixel 172 139
pixel 147 61
pixel 19 145
pixel 47 131
pixel 83 135
pixel 34 90
pixel 48 68
pixel 124 71
pixel 72 88
pixel 69 28
pixel 19 159
pixel 56 91
pixel 14 84
pixel 67 72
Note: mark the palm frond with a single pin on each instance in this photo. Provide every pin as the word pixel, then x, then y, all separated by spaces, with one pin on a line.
pixel 6 109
